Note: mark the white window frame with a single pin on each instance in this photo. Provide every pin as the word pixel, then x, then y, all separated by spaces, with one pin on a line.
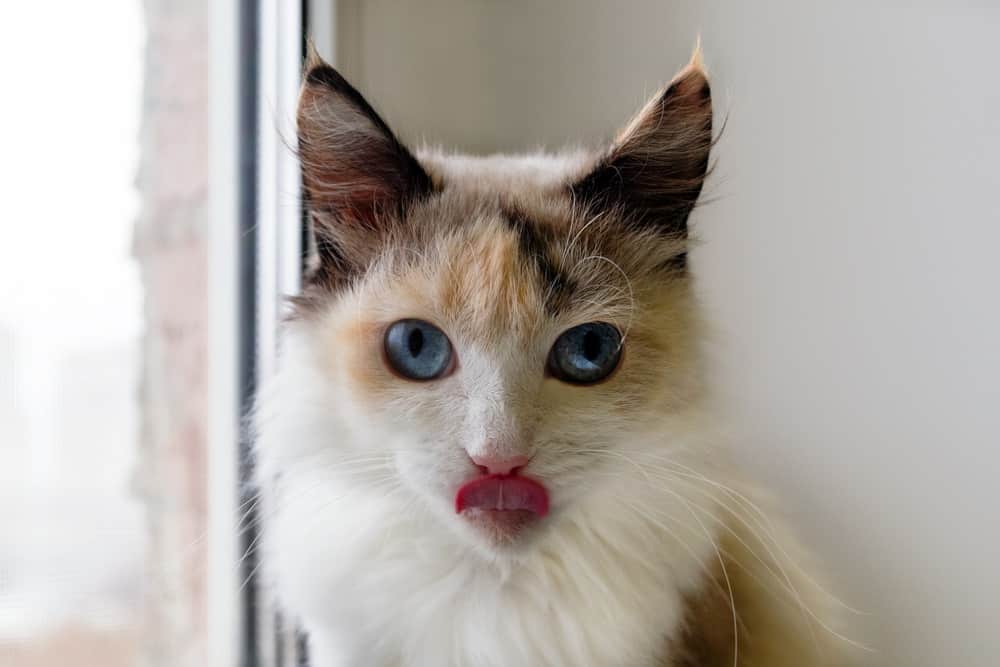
pixel 255 263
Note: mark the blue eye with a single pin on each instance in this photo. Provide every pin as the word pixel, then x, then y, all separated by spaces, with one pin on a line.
pixel 417 350
pixel 586 354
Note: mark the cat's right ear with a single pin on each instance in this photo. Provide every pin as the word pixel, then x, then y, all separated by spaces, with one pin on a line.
pixel 655 169
pixel 358 177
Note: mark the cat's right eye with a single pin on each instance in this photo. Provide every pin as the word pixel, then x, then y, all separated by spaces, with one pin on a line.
pixel 586 354
pixel 418 350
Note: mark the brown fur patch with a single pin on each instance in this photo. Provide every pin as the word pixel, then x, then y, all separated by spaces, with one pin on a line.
pixel 707 636
pixel 488 284
pixel 777 607
pixel 353 352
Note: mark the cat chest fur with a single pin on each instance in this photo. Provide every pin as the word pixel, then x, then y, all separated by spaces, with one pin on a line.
pixel 584 599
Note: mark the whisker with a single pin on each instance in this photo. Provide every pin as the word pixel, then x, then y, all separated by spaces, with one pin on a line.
pixel 765 524
pixel 789 586
pixel 715 546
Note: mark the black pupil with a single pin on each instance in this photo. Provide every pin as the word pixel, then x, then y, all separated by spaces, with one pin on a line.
pixel 415 342
pixel 591 345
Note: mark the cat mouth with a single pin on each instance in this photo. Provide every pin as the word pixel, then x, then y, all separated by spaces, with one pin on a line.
pixel 499 494
pixel 502 507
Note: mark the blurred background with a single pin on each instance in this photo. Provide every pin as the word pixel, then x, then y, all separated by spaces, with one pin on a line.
pixel 847 262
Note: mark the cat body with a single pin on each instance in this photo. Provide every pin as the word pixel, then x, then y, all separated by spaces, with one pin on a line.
pixel 625 537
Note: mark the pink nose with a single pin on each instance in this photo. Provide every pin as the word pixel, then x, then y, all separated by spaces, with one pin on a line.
pixel 499 465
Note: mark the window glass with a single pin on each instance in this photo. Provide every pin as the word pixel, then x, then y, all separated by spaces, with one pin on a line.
pixel 72 534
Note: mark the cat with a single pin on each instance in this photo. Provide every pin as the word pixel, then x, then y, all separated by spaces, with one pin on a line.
pixel 488 441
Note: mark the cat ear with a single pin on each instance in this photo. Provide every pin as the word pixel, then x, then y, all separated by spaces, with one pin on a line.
pixel 358 177
pixel 654 170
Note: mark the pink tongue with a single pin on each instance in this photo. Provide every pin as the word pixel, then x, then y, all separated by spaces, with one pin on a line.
pixel 503 492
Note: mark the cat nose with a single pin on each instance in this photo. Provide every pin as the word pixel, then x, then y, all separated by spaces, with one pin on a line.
pixel 499 465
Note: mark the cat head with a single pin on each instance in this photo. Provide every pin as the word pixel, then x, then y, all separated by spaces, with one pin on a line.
pixel 490 339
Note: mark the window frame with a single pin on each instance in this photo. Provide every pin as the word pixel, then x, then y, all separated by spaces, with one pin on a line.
pixel 257 248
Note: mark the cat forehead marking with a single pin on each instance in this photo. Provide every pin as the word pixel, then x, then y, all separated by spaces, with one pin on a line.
pixel 498 277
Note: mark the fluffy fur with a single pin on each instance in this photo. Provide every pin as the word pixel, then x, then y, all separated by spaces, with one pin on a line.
pixel 654 552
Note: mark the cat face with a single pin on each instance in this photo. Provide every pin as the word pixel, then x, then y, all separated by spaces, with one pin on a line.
pixel 496 334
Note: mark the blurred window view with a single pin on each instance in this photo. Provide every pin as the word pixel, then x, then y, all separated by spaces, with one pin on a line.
pixel 71 535
pixel 71 531
pixel 102 474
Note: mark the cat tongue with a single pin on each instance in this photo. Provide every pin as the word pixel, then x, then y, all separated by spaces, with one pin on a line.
pixel 503 492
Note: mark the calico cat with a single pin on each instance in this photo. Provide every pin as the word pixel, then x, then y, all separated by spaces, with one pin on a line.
pixel 487 443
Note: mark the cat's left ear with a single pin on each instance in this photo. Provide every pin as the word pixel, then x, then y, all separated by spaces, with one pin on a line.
pixel 358 177
pixel 655 168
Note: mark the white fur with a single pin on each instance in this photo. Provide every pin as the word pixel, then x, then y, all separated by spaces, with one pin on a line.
pixel 383 574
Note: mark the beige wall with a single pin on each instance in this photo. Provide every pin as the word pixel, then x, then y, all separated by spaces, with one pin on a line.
pixel 510 76
pixel 850 258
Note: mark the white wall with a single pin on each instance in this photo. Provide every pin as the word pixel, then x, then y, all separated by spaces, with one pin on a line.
pixel 849 259
pixel 851 264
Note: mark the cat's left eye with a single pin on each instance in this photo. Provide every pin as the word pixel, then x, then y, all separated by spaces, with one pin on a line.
pixel 586 354
pixel 417 350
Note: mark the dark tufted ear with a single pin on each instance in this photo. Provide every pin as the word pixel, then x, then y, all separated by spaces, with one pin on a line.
pixel 654 170
pixel 358 177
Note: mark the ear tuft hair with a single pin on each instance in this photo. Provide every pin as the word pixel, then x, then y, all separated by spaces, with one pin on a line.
pixel 655 168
